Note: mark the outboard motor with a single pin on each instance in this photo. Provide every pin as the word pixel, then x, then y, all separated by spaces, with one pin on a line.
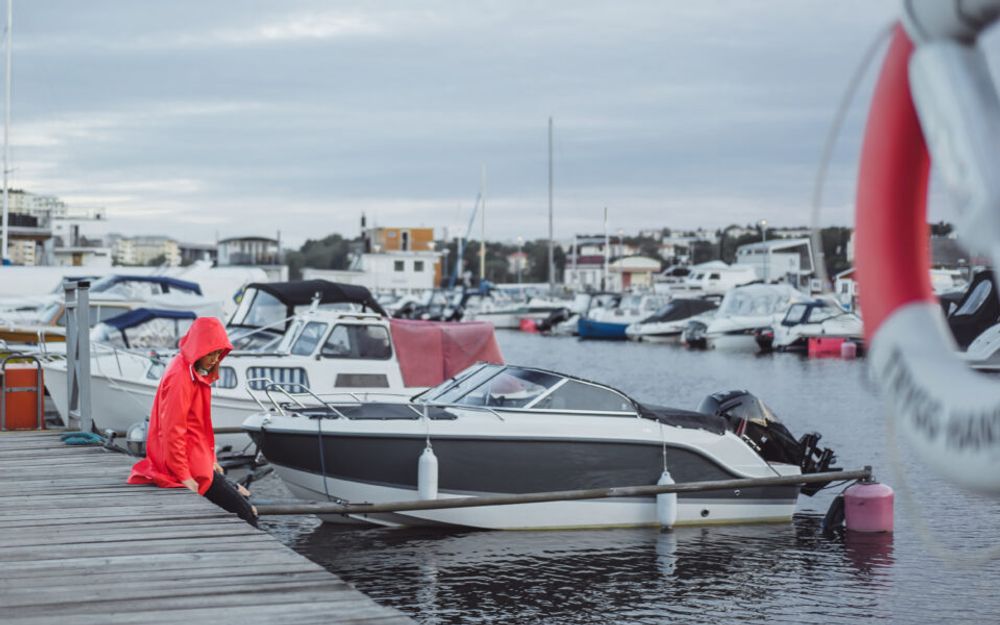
pixel 555 318
pixel 750 419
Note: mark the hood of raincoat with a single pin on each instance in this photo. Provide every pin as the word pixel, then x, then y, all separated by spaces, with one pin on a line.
pixel 205 335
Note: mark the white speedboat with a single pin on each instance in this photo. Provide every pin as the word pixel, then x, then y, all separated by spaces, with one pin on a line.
pixel 667 324
pixel 819 318
pixel 502 429
pixel 331 350
pixel 745 311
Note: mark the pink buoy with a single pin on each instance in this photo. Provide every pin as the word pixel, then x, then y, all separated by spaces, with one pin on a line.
pixel 848 350
pixel 868 507
pixel 528 325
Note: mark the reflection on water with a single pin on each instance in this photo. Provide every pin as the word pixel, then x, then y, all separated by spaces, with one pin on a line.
pixel 756 573
pixel 783 573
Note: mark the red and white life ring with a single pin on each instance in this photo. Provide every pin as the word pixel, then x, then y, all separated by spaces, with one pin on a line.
pixel 949 413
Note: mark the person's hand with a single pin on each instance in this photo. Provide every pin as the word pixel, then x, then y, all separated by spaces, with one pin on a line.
pixel 218 469
pixel 190 484
pixel 242 490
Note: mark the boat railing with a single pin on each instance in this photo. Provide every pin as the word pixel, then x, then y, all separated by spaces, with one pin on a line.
pixel 282 387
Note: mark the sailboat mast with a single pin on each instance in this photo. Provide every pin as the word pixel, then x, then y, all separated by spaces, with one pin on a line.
pixel 6 129
pixel 607 249
pixel 552 256
pixel 482 239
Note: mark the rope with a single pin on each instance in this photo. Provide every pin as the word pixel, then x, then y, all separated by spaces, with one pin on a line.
pixel 322 459
pixel 827 154
pixel 82 438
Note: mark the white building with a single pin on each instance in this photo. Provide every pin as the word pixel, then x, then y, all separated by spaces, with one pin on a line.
pixel 584 273
pixel 779 260
pixel 632 273
pixel 144 250
pixel 387 271
pixel 252 251
pixel 83 256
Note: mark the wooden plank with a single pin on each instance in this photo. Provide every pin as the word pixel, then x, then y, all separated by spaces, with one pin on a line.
pixel 79 545
pixel 317 611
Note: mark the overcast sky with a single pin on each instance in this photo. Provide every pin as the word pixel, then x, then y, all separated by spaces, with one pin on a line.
pixel 242 117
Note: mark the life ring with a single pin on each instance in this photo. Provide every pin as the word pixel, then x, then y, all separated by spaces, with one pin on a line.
pixel 949 413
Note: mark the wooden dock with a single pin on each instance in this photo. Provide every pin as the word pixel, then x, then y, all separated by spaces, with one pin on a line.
pixel 79 546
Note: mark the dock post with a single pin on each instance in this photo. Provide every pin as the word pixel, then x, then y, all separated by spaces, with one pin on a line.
pixel 78 354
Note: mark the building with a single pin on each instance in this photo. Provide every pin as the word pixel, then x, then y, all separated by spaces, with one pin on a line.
pixel 254 251
pixel 517 264
pixel 261 252
pixel 632 273
pixel 195 252
pixel 779 260
pixel 82 256
pixel 379 240
pixel 585 273
pixel 398 271
pixel 29 240
pixel 144 250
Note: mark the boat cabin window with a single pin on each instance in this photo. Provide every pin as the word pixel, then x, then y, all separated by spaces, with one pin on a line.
pixel 309 338
pixel 227 378
pixel 796 314
pixel 575 395
pixel 511 388
pixel 714 276
pixel 358 341
pixel 975 299
pixel 822 313
pixel 293 379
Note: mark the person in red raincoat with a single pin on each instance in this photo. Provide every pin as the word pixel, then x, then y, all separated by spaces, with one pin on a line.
pixel 180 444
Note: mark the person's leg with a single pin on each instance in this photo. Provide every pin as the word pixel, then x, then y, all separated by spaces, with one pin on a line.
pixel 223 493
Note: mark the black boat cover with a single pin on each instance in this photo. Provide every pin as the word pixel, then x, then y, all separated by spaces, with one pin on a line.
pixel 978 310
pixel 683 418
pixel 681 309
pixel 301 293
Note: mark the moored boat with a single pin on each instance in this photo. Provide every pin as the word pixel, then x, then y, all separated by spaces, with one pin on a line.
pixel 504 429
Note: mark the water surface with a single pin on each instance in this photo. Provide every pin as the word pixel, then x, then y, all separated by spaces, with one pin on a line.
pixel 779 573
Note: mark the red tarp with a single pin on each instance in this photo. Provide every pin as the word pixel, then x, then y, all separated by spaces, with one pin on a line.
pixel 430 352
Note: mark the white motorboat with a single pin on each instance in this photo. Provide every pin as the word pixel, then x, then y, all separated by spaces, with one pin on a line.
pixel 110 296
pixel 667 324
pixel 819 318
pixel 745 311
pixel 331 350
pixel 712 279
pixel 502 429
pixel 505 314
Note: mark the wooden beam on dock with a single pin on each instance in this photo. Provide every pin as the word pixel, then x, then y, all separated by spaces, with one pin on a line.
pixel 78 545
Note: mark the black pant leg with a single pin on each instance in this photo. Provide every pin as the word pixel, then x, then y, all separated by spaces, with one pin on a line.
pixel 224 494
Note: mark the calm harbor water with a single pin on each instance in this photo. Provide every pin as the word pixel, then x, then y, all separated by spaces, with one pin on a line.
pixel 783 573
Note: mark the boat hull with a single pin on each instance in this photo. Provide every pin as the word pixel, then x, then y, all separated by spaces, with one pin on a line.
pixel 601 330
pixel 383 469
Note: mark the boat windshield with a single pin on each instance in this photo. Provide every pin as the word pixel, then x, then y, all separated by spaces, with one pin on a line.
pixel 495 385
pixel 512 387
pixel 454 389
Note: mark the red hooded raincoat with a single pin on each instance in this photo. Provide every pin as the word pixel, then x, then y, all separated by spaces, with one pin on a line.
pixel 180 443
